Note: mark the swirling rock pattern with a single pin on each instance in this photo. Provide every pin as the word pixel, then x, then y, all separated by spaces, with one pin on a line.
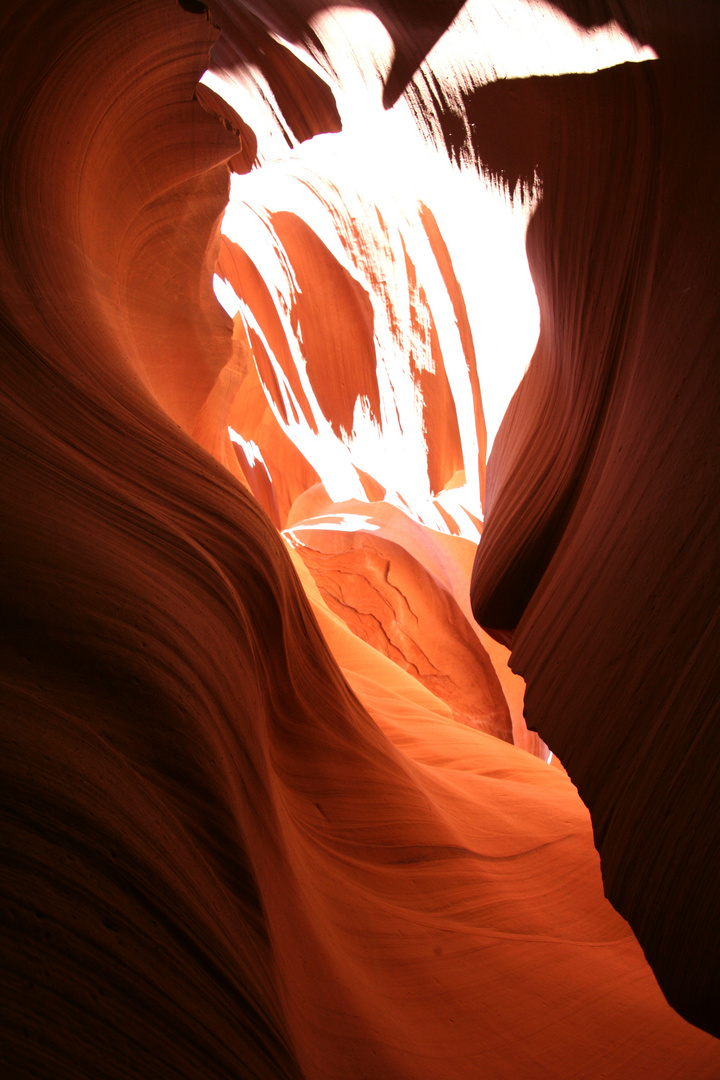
pixel 599 558
pixel 217 861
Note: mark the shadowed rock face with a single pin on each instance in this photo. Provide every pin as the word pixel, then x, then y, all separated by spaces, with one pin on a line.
pixel 237 840
pixel 599 557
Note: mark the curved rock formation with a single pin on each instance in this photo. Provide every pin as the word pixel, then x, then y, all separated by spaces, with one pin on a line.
pixel 599 557
pixel 228 850
pixel 361 341
pixel 390 580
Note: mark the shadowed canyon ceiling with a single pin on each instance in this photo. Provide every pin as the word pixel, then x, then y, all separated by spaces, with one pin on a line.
pixel 359 501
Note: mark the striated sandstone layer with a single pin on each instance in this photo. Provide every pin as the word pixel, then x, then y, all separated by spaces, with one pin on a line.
pixel 227 850
pixel 599 560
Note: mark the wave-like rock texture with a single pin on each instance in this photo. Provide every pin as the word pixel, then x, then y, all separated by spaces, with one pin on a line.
pixel 401 601
pixel 599 556
pixel 217 861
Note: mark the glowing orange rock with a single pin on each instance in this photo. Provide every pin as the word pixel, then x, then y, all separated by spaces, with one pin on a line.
pixel 392 601
pixel 218 862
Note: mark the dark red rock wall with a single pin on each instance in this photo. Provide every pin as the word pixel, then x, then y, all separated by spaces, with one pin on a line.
pixel 124 876
pixel 599 558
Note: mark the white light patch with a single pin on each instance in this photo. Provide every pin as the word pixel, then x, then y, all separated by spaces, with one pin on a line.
pixel 523 39
pixel 247 90
pixel 225 295
pixel 335 523
pixel 360 192
pixel 253 453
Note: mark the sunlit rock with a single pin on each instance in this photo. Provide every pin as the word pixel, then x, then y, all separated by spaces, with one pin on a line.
pixel 391 599
pixel 238 840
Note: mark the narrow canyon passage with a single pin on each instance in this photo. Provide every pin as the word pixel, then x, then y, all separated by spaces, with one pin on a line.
pixel 278 279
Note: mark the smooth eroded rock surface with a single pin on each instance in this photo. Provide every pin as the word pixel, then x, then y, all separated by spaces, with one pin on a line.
pixel 599 556
pixel 237 840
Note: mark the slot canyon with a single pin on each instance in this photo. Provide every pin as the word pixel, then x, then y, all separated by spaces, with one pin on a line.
pixel 360 504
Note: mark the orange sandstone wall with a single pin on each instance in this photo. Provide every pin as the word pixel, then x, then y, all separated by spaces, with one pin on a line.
pixel 217 860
